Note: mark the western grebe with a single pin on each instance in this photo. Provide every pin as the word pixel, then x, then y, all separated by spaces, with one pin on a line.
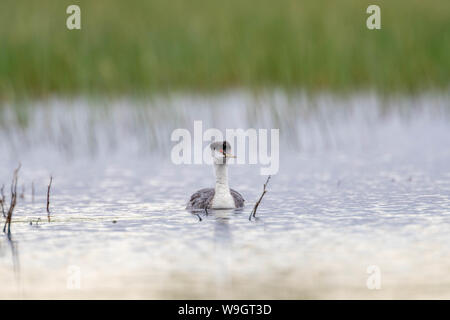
pixel 220 197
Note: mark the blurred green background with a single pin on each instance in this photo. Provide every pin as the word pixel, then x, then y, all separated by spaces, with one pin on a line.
pixel 135 47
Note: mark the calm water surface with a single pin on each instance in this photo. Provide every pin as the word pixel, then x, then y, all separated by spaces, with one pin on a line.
pixel 363 181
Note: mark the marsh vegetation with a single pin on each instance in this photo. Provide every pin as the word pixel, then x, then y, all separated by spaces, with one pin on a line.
pixel 139 47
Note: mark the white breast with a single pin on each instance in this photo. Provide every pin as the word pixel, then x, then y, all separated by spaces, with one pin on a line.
pixel 222 196
pixel 223 200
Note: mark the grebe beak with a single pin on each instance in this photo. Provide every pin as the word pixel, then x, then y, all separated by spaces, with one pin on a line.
pixel 229 155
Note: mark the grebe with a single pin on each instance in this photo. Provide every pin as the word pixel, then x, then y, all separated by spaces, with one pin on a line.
pixel 220 197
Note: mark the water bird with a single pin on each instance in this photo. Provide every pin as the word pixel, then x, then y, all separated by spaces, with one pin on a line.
pixel 222 196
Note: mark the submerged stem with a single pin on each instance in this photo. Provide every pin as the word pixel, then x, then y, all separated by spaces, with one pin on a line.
pixel 13 199
pixel 253 213
pixel 48 198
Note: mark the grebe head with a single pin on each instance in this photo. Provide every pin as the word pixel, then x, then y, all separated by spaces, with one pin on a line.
pixel 220 151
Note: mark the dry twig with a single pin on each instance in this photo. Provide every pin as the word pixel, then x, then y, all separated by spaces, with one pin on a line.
pixel 253 213
pixel 13 199
pixel 48 198
pixel 2 200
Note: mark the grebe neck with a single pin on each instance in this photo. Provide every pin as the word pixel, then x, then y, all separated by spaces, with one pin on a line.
pixel 222 196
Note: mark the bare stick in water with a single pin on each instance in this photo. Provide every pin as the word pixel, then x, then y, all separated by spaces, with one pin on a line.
pixel 48 198
pixel 253 213
pixel 13 199
pixel 2 200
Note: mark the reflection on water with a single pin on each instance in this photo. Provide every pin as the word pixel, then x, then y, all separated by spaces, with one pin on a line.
pixel 223 250
pixel 9 252
pixel 14 256
pixel 363 181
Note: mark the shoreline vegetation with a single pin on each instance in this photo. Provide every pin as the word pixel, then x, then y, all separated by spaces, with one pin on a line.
pixel 144 47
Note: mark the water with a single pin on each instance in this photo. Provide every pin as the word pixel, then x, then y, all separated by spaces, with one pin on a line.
pixel 363 181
